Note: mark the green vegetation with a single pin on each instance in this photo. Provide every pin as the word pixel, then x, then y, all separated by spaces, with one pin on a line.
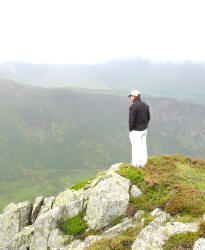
pixel 201 231
pixel 135 175
pixel 148 218
pixel 185 240
pixel 53 138
pixel 117 221
pixel 75 225
pixel 119 242
pixel 185 218
pixel 181 241
pixel 82 184
pixel 123 241
pixel 166 183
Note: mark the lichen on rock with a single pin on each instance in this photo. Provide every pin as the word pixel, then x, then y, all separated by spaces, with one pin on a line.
pixel 108 200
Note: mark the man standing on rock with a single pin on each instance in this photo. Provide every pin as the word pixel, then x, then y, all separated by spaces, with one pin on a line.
pixel 139 117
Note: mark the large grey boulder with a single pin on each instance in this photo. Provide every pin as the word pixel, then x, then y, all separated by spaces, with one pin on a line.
pixel 107 200
pixel 69 195
pixel 199 244
pixel 47 205
pixel 46 224
pixel 58 238
pixel 23 209
pixel 152 235
pixel 14 218
pixel 9 226
pixel 159 230
pixel 22 240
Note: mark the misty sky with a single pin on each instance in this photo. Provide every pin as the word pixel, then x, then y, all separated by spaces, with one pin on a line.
pixel 92 31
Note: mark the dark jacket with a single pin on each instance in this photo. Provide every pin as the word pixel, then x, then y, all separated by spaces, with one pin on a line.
pixel 139 115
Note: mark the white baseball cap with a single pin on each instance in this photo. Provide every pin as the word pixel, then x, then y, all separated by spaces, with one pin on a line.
pixel 134 92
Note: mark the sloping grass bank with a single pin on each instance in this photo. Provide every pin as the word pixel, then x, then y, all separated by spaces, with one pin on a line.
pixel 175 183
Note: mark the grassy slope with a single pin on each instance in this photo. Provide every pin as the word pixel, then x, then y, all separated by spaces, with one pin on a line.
pixel 51 138
pixel 172 182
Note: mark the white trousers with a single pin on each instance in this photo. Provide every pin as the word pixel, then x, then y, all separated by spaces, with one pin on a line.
pixel 139 147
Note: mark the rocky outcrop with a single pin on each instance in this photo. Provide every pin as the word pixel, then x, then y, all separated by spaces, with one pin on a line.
pixel 23 210
pixel 14 218
pixel 199 244
pixel 108 200
pixel 48 224
pixel 40 226
pixel 108 233
pixel 135 191
pixel 47 205
pixel 158 231
pixel 22 240
pixel 36 208
pixel 68 196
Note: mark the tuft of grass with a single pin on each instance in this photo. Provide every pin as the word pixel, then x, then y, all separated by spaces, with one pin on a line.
pixel 192 175
pixel 123 241
pixel 187 200
pixel 201 231
pixel 181 241
pixel 185 240
pixel 75 225
pixel 135 175
pixel 186 218
pixel 151 198
pixel 82 184
pixel 148 218
pixel 117 221
pixel 119 242
pixel 160 170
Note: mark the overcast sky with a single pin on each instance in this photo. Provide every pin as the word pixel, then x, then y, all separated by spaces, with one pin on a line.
pixel 92 31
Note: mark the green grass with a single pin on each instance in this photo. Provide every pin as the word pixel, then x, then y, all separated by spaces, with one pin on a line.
pixel 181 241
pixel 174 183
pixel 185 240
pixel 123 241
pixel 82 184
pixel 186 218
pixel 148 218
pixel 192 175
pixel 117 221
pixel 75 225
pixel 135 175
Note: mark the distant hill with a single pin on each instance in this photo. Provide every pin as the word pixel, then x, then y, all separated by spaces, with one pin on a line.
pixel 184 81
pixel 53 137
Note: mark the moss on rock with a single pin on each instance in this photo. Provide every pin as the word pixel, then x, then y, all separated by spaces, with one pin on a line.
pixel 75 225
pixel 82 184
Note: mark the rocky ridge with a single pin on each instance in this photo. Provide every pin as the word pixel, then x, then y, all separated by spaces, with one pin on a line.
pixel 39 226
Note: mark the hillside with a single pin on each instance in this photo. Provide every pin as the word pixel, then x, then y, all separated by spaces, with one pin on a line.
pixel 124 207
pixel 50 138
pixel 184 80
